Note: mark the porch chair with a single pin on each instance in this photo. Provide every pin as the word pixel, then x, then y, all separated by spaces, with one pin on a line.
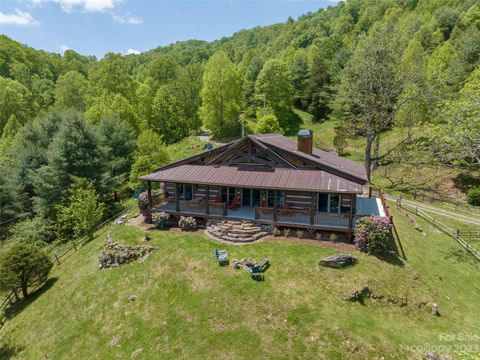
pixel 288 208
pixel 222 257
pixel 257 271
pixel 235 204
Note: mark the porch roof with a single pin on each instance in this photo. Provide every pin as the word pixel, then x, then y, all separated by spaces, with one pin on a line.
pixel 256 177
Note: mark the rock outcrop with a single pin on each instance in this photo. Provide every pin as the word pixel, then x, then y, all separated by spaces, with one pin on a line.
pixel 338 261
pixel 116 254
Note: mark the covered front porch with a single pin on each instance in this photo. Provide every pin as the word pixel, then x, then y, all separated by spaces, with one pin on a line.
pixel 309 210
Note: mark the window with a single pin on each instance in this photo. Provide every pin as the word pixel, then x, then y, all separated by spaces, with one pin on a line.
pixel 185 191
pixel 329 203
pixel 228 193
pixel 280 198
pixel 246 197
pixel 323 202
pixel 334 203
pixel 251 197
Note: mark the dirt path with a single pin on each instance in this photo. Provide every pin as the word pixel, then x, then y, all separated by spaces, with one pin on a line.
pixel 471 219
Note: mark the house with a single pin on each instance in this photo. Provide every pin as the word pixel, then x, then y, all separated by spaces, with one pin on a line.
pixel 267 179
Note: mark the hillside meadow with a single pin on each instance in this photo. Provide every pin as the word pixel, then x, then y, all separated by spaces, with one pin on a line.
pixel 188 307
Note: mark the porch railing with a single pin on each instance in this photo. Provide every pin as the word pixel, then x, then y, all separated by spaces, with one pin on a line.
pixel 302 216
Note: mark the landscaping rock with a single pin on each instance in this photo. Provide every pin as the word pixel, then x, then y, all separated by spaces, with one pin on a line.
pixel 435 310
pixel 132 298
pixel 114 341
pixel 243 263
pixel 121 219
pixel 146 238
pixel 435 356
pixel 116 254
pixel 338 261
pixel 359 295
pixel 136 353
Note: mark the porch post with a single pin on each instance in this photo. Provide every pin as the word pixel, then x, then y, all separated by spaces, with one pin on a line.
pixel 177 199
pixel 312 209
pixel 207 195
pixel 149 194
pixel 150 202
pixel 350 214
pixel 275 206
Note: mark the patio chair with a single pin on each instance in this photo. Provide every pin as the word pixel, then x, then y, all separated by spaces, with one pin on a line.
pixel 235 204
pixel 222 257
pixel 257 271
pixel 288 208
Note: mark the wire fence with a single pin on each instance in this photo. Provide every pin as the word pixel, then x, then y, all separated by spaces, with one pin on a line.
pixel 73 246
pixel 454 233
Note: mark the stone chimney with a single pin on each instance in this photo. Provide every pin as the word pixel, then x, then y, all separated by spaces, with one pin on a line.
pixel 305 141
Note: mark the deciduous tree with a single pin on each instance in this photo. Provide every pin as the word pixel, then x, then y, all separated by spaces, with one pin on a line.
pixel 221 96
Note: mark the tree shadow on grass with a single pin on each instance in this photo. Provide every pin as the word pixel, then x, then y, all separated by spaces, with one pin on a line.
pixel 465 181
pixel 8 351
pixel 392 257
pixel 461 256
pixel 19 306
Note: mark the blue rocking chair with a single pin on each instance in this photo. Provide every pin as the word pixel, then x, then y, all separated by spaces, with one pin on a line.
pixel 222 257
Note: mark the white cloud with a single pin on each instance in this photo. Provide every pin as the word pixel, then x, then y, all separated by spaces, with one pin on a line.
pixel 70 6
pixel 18 18
pixel 63 47
pixel 126 19
pixel 133 52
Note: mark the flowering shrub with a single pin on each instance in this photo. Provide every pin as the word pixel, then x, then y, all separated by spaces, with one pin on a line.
pixel 276 232
pixel 187 223
pixel 372 234
pixel 160 219
pixel 143 203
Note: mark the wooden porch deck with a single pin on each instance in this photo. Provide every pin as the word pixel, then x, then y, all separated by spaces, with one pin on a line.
pixel 297 218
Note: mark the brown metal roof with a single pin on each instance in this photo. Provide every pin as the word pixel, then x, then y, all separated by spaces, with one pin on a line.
pixel 318 156
pixel 255 177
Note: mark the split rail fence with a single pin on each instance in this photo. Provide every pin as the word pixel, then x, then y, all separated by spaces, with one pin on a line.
pixel 455 234
pixel 74 246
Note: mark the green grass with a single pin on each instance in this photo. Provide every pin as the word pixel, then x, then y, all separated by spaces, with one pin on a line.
pixel 188 307
pixel 187 147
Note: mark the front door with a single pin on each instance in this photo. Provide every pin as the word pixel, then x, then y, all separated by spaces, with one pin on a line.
pixel 251 197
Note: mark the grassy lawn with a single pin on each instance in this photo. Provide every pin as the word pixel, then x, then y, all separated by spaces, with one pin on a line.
pixel 188 307
pixel 187 147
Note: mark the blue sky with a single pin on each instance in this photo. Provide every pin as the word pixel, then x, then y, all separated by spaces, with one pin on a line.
pixel 94 27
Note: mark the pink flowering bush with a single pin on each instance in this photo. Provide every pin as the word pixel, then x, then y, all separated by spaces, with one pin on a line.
pixel 372 234
pixel 160 219
pixel 187 223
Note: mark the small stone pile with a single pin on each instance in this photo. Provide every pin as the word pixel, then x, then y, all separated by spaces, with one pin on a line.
pixel 243 263
pixel 115 254
pixel 359 295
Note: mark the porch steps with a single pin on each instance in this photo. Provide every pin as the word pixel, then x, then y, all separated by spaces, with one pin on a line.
pixel 236 231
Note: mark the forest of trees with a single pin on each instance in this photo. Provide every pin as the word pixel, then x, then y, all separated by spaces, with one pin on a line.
pixel 76 132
